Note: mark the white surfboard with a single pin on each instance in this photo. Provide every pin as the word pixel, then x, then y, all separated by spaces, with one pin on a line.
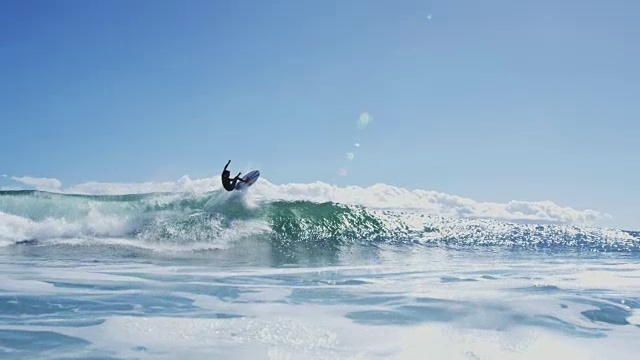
pixel 250 178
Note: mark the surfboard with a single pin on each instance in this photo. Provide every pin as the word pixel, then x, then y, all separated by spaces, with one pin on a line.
pixel 251 177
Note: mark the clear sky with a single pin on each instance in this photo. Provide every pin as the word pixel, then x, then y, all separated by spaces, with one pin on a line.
pixel 493 100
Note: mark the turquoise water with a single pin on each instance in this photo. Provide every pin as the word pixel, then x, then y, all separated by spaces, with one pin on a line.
pixel 165 276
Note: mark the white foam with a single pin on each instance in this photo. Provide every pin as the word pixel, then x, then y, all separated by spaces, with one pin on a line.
pixel 634 319
pixel 277 324
pixel 380 196
pixel 604 279
pixel 203 338
pixel 26 286
pixel 442 342
pixel 221 239
pixel 17 228
pixel 44 184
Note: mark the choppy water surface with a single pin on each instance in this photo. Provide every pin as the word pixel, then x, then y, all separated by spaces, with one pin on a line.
pixel 165 277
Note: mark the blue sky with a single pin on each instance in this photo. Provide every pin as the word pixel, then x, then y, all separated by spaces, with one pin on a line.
pixel 492 100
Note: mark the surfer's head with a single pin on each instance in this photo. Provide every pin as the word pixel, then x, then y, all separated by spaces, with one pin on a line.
pixel 226 173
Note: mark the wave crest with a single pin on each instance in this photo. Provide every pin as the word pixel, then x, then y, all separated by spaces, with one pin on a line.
pixel 214 219
pixel 378 196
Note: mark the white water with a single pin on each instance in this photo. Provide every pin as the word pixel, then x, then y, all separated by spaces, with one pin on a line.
pixel 389 303
pixel 160 277
pixel 378 196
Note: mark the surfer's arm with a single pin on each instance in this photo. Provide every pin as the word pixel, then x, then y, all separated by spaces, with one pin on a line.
pixel 239 178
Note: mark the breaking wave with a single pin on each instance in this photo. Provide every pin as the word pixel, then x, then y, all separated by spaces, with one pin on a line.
pixel 188 221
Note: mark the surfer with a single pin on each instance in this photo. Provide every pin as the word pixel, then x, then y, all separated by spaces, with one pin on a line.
pixel 228 183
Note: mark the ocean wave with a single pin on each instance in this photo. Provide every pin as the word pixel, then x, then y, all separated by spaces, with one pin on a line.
pixel 378 196
pixel 215 219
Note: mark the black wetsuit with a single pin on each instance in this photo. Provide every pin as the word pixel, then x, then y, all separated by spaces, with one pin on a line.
pixel 227 183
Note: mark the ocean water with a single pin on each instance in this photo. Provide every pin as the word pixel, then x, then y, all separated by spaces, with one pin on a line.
pixel 213 275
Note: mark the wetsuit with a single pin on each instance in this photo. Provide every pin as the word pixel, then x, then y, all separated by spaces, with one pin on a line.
pixel 227 183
